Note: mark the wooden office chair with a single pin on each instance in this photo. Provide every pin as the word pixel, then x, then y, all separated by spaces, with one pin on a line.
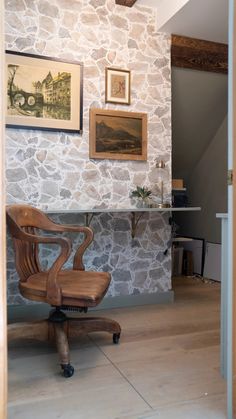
pixel 74 289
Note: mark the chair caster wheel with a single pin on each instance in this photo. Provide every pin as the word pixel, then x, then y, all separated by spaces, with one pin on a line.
pixel 116 338
pixel 68 370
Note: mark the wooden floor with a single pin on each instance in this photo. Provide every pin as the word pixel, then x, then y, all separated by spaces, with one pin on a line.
pixel 165 367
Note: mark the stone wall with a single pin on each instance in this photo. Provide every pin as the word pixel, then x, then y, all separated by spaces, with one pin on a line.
pixel 53 171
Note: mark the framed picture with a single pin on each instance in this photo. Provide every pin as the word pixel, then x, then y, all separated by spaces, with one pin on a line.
pixel 117 86
pixel 43 93
pixel 117 135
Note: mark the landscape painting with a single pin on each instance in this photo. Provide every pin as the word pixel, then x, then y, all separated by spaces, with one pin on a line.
pixel 118 135
pixel 40 92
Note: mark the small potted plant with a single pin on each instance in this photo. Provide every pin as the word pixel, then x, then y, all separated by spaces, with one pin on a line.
pixel 142 193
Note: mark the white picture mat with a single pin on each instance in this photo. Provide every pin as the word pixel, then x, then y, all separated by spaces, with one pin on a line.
pixel 126 76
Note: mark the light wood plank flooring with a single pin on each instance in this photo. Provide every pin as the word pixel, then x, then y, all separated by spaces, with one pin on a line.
pixel 165 367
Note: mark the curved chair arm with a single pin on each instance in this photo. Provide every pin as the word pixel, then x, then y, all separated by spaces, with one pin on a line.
pixel 88 232
pixel 53 289
pixel 78 258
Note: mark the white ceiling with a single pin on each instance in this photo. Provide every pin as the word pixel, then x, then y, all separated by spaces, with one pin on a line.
pixel 203 19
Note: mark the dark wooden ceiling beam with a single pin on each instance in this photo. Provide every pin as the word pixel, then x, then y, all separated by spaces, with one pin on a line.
pixel 198 54
pixel 128 3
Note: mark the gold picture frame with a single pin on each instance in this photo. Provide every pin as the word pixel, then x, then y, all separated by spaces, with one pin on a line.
pixel 117 135
pixel 43 93
pixel 117 86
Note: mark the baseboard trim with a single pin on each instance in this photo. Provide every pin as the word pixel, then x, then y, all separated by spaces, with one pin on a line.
pixel 22 312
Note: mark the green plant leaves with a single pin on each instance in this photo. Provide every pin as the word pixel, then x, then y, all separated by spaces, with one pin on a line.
pixel 141 192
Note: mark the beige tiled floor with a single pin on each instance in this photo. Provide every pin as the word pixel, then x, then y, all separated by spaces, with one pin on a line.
pixel 166 366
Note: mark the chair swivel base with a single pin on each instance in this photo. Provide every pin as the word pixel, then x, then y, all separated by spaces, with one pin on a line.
pixel 59 327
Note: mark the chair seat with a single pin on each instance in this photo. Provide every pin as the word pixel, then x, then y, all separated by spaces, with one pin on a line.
pixel 79 288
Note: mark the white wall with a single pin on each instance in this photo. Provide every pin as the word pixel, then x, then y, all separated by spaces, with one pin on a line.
pixel 199 105
pixel 207 187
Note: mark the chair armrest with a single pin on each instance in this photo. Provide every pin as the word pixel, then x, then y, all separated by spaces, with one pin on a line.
pixel 78 258
pixel 60 228
pixel 53 290
pixel 88 232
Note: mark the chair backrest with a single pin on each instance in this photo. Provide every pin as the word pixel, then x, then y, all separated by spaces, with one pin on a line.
pixel 25 219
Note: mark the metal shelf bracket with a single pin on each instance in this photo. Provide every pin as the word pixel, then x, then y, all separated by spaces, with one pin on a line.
pixel 134 222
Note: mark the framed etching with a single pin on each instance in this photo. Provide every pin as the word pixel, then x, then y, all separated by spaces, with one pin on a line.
pixel 117 135
pixel 117 86
pixel 43 93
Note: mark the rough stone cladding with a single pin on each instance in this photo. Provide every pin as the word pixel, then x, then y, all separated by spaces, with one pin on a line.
pixel 52 170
